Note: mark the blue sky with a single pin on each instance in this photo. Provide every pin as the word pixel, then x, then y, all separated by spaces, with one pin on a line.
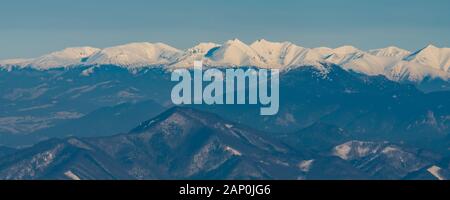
pixel 30 28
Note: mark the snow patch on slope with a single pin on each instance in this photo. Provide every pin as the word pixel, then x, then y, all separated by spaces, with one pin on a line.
pixel 72 176
pixel 306 165
pixel 355 149
pixel 233 151
pixel 436 172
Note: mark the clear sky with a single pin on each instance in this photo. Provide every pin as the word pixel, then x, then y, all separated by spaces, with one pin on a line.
pixel 30 28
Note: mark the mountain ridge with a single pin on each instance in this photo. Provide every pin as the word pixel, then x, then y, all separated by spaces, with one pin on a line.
pixel 394 63
pixel 184 143
pixel 180 143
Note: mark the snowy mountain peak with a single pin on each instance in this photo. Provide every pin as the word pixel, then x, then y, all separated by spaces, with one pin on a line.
pixel 264 42
pixel 285 54
pixel 344 50
pixel 431 46
pixel 198 52
pixel 135 55
pixel 432 57
pixel 344 54
pixel 234 41
pixel 275 54
pixel 429 50
pixel 202 48
pixel 235 53
pixel 75 52
pixel 391 51
pixel 15 61
pixel 64 58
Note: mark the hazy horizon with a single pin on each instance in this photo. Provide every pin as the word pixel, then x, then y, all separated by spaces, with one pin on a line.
pixel 33 28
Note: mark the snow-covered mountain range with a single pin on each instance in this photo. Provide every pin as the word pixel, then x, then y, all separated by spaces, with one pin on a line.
pixel 394 63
